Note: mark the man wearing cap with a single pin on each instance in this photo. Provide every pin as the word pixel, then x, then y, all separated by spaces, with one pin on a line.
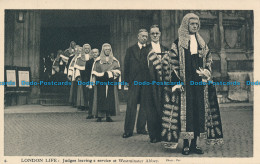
pixel 133 72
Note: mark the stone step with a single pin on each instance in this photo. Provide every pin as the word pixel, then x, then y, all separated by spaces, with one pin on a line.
pixel 52 102
pixel 54 98
pixel 56 104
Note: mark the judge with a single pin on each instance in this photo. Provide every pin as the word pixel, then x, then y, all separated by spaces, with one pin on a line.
pixel 90 92
pixel 106 69
pixel 83 67
pixel 95 53
pixel 198 108
pixel 72 77
pixel 71 53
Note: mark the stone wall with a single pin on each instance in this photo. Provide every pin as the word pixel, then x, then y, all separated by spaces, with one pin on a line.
pixel 22 48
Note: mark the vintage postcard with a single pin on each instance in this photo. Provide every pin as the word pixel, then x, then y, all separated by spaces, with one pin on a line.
pixel 129 81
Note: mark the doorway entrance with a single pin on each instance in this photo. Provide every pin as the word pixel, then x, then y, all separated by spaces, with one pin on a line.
pixel 58 29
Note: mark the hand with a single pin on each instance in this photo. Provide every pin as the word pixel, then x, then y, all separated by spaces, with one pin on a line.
pixel 125 87
pixel 89 86
pixel 152 52
pixel 204 73
pixel 78 79
pixel 178 88
pixel 70 78
pixel 116 74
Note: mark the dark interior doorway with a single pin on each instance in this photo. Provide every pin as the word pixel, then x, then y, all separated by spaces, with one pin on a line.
pixel 59 28
pixel 59 38
pixel 55 38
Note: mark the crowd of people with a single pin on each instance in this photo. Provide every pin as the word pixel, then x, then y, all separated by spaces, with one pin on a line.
pixel 171 112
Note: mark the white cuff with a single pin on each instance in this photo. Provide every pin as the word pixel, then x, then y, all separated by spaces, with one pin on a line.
pixel 110 74
pixel 77 73
pixel 98 74
pixel 65 71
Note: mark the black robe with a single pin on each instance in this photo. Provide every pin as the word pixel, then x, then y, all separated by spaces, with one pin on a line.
pixel 105 100
pixel 152 101
pixel 85 77
pixel 197 113
pixel 84 67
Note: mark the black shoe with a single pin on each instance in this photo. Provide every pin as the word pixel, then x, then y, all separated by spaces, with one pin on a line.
pixel 99 119
pixel 144 132
pixel 108 119
pixel 186 151
pixel 154 140
pixel 127 135
pixel 81 108
pixel 197 150
pixel 90 117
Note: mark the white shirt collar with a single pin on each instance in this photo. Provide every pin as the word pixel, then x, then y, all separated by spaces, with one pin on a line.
pixel 156 47
pixel 140 45
pixel 87 57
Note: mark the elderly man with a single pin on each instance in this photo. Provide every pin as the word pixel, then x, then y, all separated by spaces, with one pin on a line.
pixel 72 76
pixel 95 53
pixel 133 72
pixel 58 68
pixel 64 60
pixel 106 74
pixel 197 101
pixel 71 51
pixel 60 61
pixel 83 67
pixel 153 93
pixel 90 92
pixel 48 63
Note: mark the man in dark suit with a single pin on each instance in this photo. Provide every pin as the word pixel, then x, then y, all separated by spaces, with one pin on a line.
pixel 133 72
pixel 152 100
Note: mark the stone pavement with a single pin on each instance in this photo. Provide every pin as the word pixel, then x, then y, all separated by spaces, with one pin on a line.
pixel 63 131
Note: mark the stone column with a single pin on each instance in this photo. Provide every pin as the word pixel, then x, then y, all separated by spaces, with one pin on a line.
pixel 156 17
pixel 168 25
pixel 34 23
pixel 223 61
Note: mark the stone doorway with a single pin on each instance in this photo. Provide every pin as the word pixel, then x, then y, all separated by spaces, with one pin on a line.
pixel 58 29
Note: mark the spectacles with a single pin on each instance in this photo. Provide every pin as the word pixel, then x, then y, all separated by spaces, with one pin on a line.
pixel 155 33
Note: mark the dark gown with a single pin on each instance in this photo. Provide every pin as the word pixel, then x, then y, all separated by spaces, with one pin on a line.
pixel 84 97
pixel 105 102
pixel 195 109
pixel 73 87
pixel 198 110
pixel 152 99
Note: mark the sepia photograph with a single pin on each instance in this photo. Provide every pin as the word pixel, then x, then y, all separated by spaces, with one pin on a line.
pixel 128 85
